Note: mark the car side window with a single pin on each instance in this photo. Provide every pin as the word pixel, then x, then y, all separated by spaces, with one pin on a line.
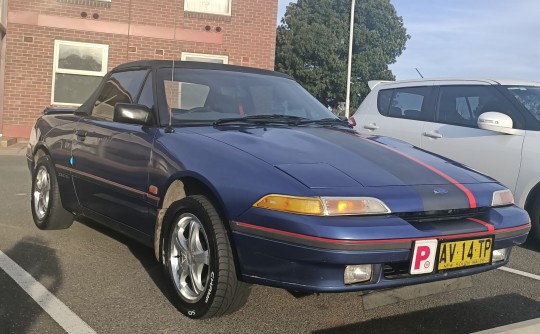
pixel 121 87
pixel 407 102
pixel 461 105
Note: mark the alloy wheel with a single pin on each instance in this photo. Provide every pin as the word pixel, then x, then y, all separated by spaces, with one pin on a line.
pixel 42 192
pixel 189 257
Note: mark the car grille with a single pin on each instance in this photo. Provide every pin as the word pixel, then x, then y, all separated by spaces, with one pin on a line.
pixel 415 217
pixel 396 270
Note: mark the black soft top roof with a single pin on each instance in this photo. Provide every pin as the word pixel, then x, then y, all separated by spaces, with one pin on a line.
pixel 196 65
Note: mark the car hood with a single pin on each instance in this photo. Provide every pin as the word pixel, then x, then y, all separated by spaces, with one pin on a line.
pixel 323 157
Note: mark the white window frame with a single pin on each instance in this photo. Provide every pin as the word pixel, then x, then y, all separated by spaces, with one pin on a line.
pixel 205 56
pixel 3 12
pixel 104 59
pixel 209 12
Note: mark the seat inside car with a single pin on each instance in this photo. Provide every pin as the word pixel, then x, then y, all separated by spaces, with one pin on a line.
pixel 224 104
pixel 411 113
pixel 448 112
pixel 395 111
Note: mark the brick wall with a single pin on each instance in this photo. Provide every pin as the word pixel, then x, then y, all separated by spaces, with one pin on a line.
pixel 3 30
pixel 247 37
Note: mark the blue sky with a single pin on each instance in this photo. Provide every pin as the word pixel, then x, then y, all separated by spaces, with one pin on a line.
pixel 486 38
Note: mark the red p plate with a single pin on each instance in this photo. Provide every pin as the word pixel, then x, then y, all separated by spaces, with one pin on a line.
pixel 423 259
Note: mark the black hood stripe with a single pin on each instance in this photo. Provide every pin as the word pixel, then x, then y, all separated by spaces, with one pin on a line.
pixel 468 193
pixel 470 197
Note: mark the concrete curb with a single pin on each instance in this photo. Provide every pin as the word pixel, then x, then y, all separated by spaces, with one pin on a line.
pixel 525 327
pixel 6 141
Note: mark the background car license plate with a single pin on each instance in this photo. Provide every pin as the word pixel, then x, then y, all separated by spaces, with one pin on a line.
pixel 465 253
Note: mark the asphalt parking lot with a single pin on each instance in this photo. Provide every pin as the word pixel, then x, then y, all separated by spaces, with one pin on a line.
pixel 115 285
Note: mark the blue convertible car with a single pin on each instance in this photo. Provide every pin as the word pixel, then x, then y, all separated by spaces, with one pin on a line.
pixel 236 175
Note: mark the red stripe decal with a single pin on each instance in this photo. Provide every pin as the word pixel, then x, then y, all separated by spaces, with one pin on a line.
pixel 109 182
pixel 468 193
pixel 486 224
pixel 375 241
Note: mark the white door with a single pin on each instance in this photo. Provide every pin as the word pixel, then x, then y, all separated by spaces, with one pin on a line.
pixel 456 135
pixel 395 112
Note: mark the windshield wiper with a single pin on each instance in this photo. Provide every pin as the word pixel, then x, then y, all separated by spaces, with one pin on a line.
pixel 325 122
pixel 262 119
pixel 284 119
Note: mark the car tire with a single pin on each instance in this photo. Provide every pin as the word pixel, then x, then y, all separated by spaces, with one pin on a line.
pixel 46 205
pixel 534 213
pixel 198 261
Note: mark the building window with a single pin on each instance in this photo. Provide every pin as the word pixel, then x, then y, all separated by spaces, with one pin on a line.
pixel 206 58
pixel 220 7
pixel 77 71
pixel 3 14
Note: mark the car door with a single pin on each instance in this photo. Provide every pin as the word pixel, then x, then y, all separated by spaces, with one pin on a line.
pixel 111 159
pixel 455 133
pixel 397 112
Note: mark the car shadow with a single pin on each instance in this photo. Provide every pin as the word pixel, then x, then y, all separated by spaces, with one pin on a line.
pixel 144 254
pixel 465 317
pixel 18 311
pixel 531 245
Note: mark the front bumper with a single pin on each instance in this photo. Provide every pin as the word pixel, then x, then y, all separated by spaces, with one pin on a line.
pixel 306 262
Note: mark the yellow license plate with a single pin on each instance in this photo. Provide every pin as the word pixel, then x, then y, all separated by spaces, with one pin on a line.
pixel 465 253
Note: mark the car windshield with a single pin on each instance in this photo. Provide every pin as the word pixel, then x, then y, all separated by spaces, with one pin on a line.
pixel 529 97
pixel 212 95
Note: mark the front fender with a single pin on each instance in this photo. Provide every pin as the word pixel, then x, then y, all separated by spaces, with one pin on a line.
pixel 236 178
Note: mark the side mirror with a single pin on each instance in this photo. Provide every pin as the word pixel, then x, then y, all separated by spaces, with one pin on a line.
pixel 496 121
pixel 132 114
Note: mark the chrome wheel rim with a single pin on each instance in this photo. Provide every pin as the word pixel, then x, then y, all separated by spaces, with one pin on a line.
pixel 189 258
pixel 41 192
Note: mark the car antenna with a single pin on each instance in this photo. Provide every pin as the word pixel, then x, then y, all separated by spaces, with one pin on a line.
pixel 421 76
pixel 169 128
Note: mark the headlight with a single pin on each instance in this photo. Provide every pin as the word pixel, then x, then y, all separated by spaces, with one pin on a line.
pixel 302 205
pixel 353 206
pixel 323 206
pixel 502 197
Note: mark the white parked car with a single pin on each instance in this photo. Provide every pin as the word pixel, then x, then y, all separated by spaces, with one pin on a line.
pixel 492 126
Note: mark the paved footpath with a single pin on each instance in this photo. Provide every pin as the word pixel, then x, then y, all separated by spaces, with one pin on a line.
pixel 14 150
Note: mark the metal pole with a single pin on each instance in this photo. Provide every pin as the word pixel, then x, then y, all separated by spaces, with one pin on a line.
pixel 349 65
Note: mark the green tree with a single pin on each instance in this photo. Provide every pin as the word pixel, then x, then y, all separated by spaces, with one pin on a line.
pixel 313 39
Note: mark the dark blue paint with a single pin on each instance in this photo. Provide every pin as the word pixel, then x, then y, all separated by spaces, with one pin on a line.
pixel 306 269
pixel 110 167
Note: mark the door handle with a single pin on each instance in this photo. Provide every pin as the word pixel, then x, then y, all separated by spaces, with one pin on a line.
pixel 432 134
pixel 371 126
